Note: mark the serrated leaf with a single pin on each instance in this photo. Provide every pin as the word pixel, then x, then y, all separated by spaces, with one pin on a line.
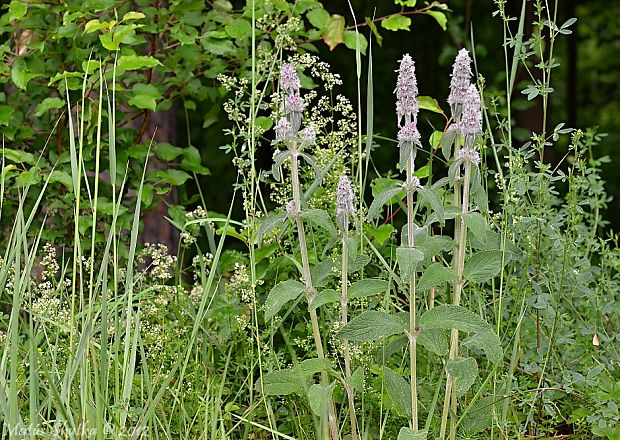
pixel 367 287
pixel 268 224
pixel 281 383
pixel 483 266
pixel 136 62
pixel 406 433
pixel 350 40
pixel 434 275
pixel 434 340
pixel 309 367
pixel 408 259
pixel 431 196
pixel 326 296
pixel 381 199
pixel 334 31
pixel 464 371
pixel 356 380
pixel 430 104
pixel 398 390
pixel 280 294
pixel 396 23
pixel 320 218
pixel 440 17
pixel 319 396
pixel 371 326
pixel 477 224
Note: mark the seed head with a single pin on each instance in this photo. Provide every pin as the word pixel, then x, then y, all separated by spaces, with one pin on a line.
pixel 406 91
pixel 289 80
pixel 471 118
pixel 461 79
pixel 344 200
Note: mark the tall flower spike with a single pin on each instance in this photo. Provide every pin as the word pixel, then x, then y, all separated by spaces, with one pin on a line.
pixel 407 91
pixel 471 119
pixel 289 80
pixel 344 201
pixel 461 79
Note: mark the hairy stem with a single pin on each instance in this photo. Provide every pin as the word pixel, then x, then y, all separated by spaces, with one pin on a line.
pixel 344 307
pixel 307 276
pixel 412 300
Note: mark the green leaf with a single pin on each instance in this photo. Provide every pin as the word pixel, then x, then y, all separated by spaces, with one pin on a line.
pixel 136 62
pixel 167 152
pixel 144 102
pixel 435 275
pixel 325 296
pixel 408 259
pixel 422 172
pixel 373 27
pixel 440 17
pixel 239 28
pixel 94 26
pixel 406 433
pixel 309 367
pixel 17 9
pixel 334 31
pixel 430 104
pixel 319 396
pixel 381 233
pixel 6 114
pixel 280 294
pixel 63 178
pixel 320 218
pixel 321 272
pixel 479 417
pixel 398 390
pixel 464 371
pixel 318 18
pixel 371 326
pixel 281 383
pixel 268 224
pixel 350 40
pixel 446 143
pixel 396 23
pixel 430 195
pixel 20 74
pixel 382 199
pixel 356 380
pixel 368 287
pixel 449 316
pixel 483 266
pixel 410 3
pixel 48 104
pixel 174 177
pixel 477 224
pixel 133 15
pixel 434 340
pixel 18 156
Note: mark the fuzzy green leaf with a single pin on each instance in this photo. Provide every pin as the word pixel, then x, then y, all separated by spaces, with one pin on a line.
pixel 398 390
pixel 477 224
pixel 465 373
pixel 282 293
pixel 371 326
pixel 408 259
pixel 381 199
pixel 326 296
pixel 368 287
pixel 435 275
pixel 434 340
pixel 320 218
pixel 318 397
pixel 483 266
pixel 409 434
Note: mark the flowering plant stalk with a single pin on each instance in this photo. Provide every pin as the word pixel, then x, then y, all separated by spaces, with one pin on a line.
pixel 408 141
pixel 345 209
pixel 288 132
pixel 468 127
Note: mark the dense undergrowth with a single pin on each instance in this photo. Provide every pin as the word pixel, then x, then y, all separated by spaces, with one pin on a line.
pixel 468 292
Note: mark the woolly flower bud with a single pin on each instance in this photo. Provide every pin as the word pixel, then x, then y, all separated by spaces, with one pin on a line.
pixel 471 119
pixel 289 81
pixel 344 200
pixel 294 103
pixel 284 130
pixel 461 79
pixel 414 182
pixel 307 136
pixel 408 135
pixel 406 91
pixel 469 155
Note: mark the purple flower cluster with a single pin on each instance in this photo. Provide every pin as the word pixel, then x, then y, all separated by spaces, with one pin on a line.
pixel 469 155
pixel 407 107
pixel 288 127
pixel 464 99
pixel 471 119
pixel 459 83
pixel 344 201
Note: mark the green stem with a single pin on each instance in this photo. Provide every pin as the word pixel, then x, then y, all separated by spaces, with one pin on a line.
pixel 344 306
pixel 412 300
pixel 307 276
